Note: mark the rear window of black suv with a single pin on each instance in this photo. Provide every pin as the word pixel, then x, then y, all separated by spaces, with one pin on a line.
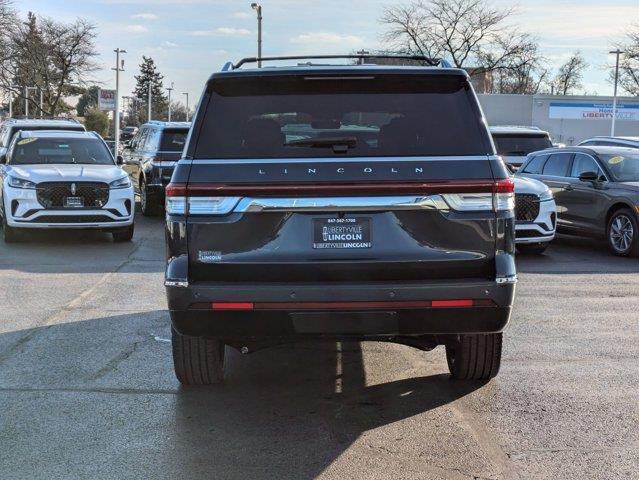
pixel 367 115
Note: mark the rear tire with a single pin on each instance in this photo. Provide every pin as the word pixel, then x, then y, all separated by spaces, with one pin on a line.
pixel 622 233
pixel 475 357
pixel 147 200
pixel 197 360
pixel 124 234
pixel 532 248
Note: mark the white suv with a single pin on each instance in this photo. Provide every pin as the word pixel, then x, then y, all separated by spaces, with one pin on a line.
pixel 58 179
pixel 535 215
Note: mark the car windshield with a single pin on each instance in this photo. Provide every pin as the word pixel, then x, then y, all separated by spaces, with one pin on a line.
pixel 520 145
pixel 82 151
pixel 362 116
pixel 624 168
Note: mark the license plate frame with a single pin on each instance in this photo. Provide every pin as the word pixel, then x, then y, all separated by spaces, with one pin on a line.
pixel 343 233
pixel 73 202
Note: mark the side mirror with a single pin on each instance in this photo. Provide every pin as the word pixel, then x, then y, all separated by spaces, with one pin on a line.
pixel 119 160
pixel 511 168
pixel 589 177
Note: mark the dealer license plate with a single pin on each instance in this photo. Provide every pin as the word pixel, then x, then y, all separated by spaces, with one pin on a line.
pixel 342 233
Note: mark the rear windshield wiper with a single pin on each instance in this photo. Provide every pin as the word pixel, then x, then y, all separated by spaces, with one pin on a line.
pixel 338 144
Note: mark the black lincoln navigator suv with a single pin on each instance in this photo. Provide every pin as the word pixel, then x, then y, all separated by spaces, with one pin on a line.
pixel 355 202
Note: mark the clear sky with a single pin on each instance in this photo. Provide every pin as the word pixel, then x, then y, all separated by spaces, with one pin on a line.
pixel 189 39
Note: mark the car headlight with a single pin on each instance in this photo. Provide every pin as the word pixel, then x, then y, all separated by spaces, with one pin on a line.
pixel 547 195
pixel 16 182
pixel 123 182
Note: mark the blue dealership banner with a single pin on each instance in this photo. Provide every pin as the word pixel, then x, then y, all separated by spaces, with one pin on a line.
pixel 593 111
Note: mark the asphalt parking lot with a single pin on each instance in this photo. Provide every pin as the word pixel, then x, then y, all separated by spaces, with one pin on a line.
pixel 87 387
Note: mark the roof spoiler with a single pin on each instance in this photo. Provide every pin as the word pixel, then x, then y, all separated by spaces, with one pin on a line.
pixel 431 62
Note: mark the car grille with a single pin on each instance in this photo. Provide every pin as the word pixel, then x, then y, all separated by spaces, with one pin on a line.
pixel 526 207
pixel 73 219
pixel 52 194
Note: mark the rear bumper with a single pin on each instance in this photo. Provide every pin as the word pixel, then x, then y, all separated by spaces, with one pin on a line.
pixel 190 314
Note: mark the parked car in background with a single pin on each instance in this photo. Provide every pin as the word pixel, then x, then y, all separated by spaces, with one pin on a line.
pixel 535 215
pixel 596 190
pixel 309 208
pixel 63 180
pixel 127 133
pixel 12 126
pixel 630 142
pixel 514 143
pixel 149 159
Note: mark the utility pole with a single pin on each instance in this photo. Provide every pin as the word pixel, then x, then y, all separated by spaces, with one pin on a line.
pixel 362 53
pixel 148 116
pixel 11 89
pixel 258 8
pixel 41 103
pixel 119 67
pixel 187 104
pixel 618 53
pixel 170 89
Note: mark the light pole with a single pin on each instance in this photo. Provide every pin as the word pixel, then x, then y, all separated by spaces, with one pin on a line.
pixel 11 90
pixel 148 106
pixel 119 67
pixel 170 89
pixel 617 52
pixel 258 8
pixel 186 94
pixel 41 103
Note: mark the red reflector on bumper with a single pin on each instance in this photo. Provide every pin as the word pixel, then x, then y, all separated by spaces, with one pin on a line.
pixel 232 306
pixel 451 303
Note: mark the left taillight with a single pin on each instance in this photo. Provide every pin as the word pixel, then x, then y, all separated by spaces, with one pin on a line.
pixel 182 200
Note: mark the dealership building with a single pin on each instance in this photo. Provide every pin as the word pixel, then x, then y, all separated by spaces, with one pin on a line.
pixel 568 119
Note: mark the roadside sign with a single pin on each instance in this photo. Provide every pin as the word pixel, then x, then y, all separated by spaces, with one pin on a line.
pixel 106 100
pixel 593 111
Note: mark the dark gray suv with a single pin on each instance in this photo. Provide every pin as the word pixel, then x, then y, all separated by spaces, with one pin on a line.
pixel 339 202
pixel 596 190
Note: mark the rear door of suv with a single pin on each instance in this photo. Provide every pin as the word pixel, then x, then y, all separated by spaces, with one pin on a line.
pixel 342 177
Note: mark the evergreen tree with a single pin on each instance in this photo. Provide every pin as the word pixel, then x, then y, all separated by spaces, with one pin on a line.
pixel 149 76
pixel 88 100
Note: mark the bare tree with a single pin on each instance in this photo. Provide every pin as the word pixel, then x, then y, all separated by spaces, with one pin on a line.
pixel 570 75
pixel 629 63
pixel 470 33
pixel 54 57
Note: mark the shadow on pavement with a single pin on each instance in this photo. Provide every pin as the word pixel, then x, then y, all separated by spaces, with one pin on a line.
pixel 288 413
pixel 285 413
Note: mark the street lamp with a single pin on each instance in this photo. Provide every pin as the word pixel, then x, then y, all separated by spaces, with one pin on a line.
pixel 119 67
pixel 170 89
pixel 258 8
pixel 186 94
pixel 617 52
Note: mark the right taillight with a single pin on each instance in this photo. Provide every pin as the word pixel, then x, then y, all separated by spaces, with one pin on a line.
pixel 498 197
pixel 504 195
pixel 182 200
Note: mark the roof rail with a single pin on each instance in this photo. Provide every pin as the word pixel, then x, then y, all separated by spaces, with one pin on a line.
pixel 433 62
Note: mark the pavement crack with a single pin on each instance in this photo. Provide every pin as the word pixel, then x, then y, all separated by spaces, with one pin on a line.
pixel 113 364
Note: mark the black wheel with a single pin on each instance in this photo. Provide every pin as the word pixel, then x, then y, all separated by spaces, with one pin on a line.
pixel 197 360
pixel 124 234
pixel 532 248
pixel 623 233
pixel 475 357
pixel 9 234
pixel 147 200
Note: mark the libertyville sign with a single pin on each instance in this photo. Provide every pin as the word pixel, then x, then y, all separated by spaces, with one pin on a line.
pixel 593 111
